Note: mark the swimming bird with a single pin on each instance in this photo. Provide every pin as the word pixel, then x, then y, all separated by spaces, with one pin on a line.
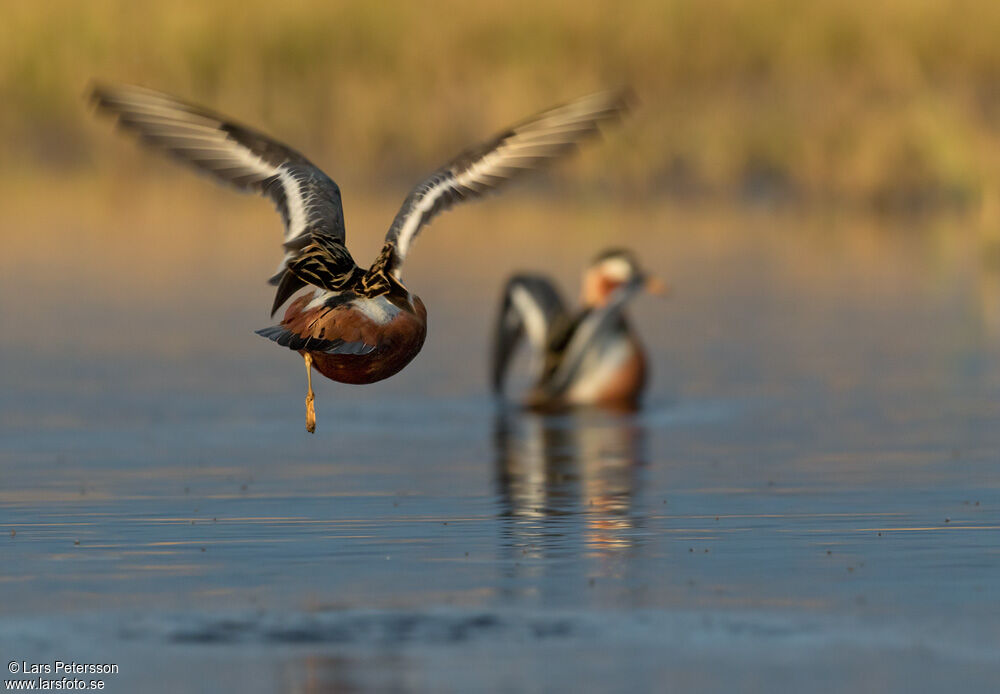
pixel 588 357
pixel 351 324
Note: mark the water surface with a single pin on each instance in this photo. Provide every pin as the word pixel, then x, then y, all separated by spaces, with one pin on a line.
pixel 809 501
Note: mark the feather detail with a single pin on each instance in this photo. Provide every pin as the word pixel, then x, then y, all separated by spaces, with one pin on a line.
pixel 287 338
pixel 531 306
pixel 306 198
pixel 529 145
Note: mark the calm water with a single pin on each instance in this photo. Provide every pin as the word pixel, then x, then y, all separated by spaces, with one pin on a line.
pixel 810 500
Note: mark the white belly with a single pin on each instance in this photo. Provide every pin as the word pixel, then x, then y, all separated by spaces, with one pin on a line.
pixel 599 369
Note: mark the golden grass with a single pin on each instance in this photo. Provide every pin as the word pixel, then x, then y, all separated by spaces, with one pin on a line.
pixel 893 102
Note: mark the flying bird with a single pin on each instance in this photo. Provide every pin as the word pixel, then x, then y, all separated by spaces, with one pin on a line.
pixel 351 324
pixel 588 357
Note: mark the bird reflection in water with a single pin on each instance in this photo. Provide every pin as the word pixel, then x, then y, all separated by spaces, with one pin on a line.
pixel 569 483
pixel 330 673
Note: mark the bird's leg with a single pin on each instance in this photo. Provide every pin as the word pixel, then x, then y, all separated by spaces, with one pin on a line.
pixel 310 409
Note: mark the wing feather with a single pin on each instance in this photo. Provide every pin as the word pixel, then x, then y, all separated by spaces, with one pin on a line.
pixel 530 306
pixel 487 167
pixel 306 198
pixel 287 338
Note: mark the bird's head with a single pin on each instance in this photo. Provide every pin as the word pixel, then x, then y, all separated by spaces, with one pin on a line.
pixel 612 269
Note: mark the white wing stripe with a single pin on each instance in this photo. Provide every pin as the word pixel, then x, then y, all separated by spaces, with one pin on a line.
pixel 523 148
pixel 297 206
pixel 414 220
pixel 534 319
pixel 308 200
pixel 535 324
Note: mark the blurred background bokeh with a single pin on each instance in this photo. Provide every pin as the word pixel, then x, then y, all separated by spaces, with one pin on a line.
pixel 892 105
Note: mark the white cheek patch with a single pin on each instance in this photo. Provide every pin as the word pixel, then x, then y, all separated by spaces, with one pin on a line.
pixel 617 269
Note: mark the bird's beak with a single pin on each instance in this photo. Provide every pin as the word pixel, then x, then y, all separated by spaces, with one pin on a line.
pixel 654 285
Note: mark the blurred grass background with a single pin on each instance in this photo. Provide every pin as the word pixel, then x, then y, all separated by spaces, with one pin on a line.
pixel 892 105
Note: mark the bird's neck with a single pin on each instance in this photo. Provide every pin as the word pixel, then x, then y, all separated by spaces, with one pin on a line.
pixel 596 289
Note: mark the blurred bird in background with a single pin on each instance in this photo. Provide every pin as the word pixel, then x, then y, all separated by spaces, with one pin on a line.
pixel 588 357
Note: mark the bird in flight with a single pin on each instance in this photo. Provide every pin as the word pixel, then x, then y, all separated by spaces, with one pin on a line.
pixel 588 357
pixel 353 325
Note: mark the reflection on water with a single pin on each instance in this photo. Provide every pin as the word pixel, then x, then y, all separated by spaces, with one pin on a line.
pixel 326 674
pixel 582 468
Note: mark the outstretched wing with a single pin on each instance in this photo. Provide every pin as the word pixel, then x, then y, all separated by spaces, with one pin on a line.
pixel 308 200
pixel 530 306
pixel 519 149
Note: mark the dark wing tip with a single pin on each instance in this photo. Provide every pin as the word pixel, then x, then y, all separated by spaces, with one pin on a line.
pixel 99 96
pixel 94 91
pixel 283 336
pixel 294 341
pixel 287 286
pixel 625 98
pixel 270 333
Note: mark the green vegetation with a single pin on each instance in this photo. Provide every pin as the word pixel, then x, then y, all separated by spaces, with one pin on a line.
pixel 894 103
